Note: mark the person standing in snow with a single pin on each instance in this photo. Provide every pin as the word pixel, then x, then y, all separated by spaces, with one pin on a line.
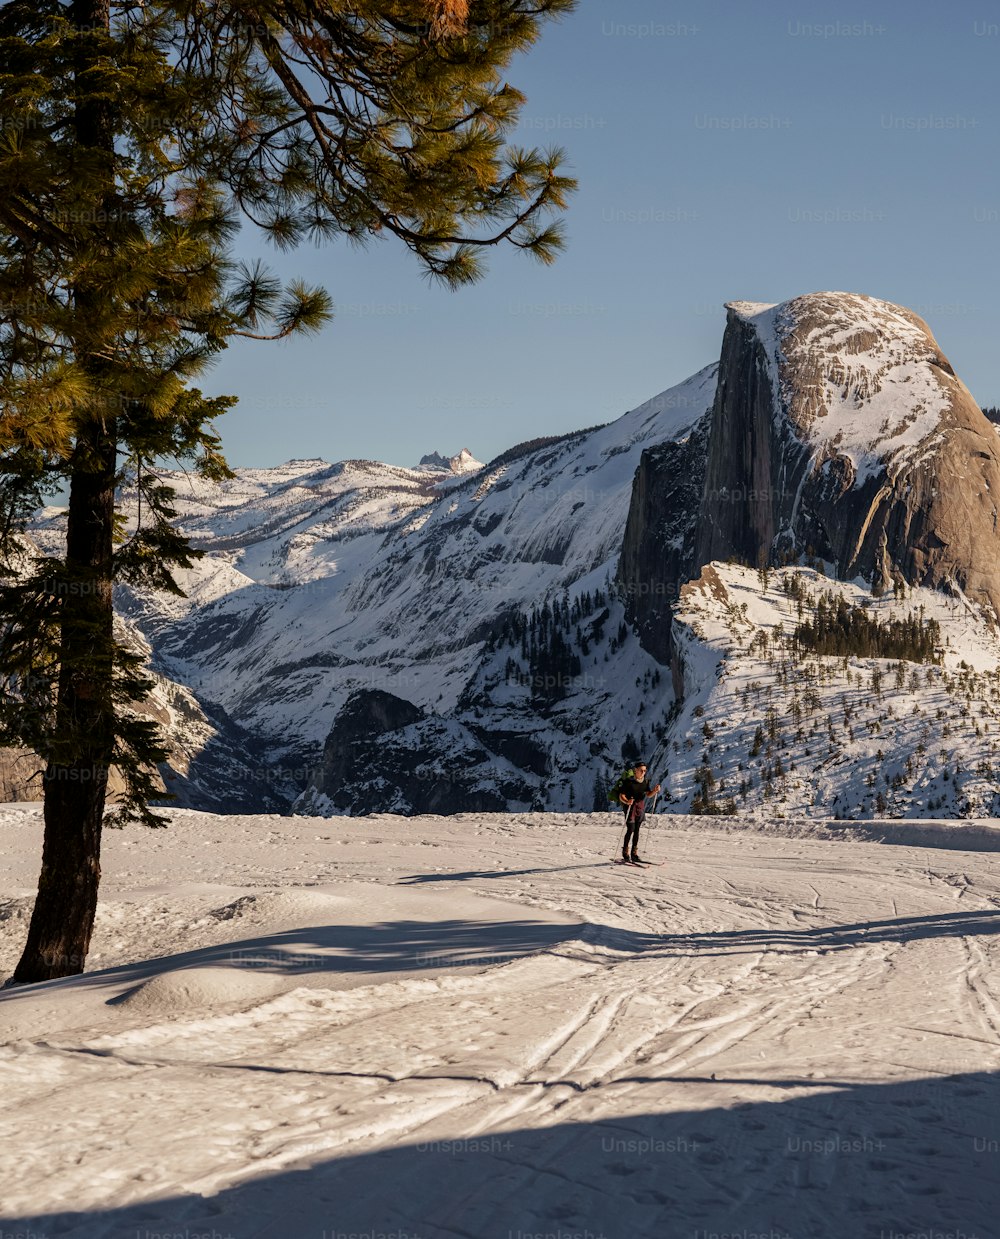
pixel 633 795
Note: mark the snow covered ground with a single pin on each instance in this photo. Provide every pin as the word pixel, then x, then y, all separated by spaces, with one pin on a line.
pixel 477 1027
pixel 857 737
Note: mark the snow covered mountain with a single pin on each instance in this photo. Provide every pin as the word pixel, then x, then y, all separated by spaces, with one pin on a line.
pixel 839 432
pixel 458 636
pixel 398 590
pixel 461 462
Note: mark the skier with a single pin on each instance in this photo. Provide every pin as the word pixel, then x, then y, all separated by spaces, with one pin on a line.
pixel 633 795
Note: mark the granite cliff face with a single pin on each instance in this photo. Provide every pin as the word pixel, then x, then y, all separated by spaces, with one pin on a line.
pixel 658 548
pixel 839 431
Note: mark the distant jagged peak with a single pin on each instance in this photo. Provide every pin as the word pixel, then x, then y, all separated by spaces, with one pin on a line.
pixel 464 462
pixel 461 462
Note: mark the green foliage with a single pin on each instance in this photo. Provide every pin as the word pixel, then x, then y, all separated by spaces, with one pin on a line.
pixel 376 119
pixel 116 291
pixel 600 797
pixel 704 801
pixel 552 639
pixel 841 629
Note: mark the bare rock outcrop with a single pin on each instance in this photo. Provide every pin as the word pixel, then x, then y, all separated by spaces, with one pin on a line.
pixel 658 546
pixel 21 777
pixel 384 754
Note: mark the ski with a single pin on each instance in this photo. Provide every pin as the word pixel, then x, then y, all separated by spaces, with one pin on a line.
pixel 628 864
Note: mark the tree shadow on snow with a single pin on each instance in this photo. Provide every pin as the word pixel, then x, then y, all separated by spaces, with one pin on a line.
pixel 857 1162
pixel 385 947
pixel 417 879
pixel 403 946
pixel 807 940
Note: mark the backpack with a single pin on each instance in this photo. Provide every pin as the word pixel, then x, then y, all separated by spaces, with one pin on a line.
pixel 616 787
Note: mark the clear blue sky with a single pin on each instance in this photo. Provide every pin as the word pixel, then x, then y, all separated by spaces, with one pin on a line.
pixel 725 150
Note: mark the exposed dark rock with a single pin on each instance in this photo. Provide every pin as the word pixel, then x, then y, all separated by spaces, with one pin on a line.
pixel 752 465
pixel 384 755
pixel 486 527
pixel 367 714
pixel 232 772
pixel 520 750
pixel 658 547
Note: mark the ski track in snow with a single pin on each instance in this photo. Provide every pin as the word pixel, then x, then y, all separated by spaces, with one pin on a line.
pixel 478 1026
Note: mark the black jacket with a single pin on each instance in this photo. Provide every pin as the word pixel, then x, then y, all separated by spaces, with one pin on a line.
pixel 636 789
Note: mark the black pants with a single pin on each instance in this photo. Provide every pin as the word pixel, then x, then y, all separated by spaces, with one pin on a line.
pixel 635 815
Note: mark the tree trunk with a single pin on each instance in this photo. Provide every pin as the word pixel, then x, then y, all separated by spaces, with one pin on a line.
pixel 77 770
pixel 76 784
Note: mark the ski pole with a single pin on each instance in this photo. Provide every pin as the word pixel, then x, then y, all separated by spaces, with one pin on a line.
pixel 621 838
pixel 653 810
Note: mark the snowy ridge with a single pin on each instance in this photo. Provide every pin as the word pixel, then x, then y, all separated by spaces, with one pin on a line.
pixel 850 737
pixel 275 525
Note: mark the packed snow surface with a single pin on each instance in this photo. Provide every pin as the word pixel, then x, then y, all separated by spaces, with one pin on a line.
pixel 478 1027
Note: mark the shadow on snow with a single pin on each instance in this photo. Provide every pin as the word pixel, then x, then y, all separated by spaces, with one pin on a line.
pixel 851 1162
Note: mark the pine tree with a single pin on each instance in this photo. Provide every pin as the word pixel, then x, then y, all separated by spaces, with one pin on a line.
pixel 704 780
pixel 600 797
pixel 116 293
pixel 131 137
